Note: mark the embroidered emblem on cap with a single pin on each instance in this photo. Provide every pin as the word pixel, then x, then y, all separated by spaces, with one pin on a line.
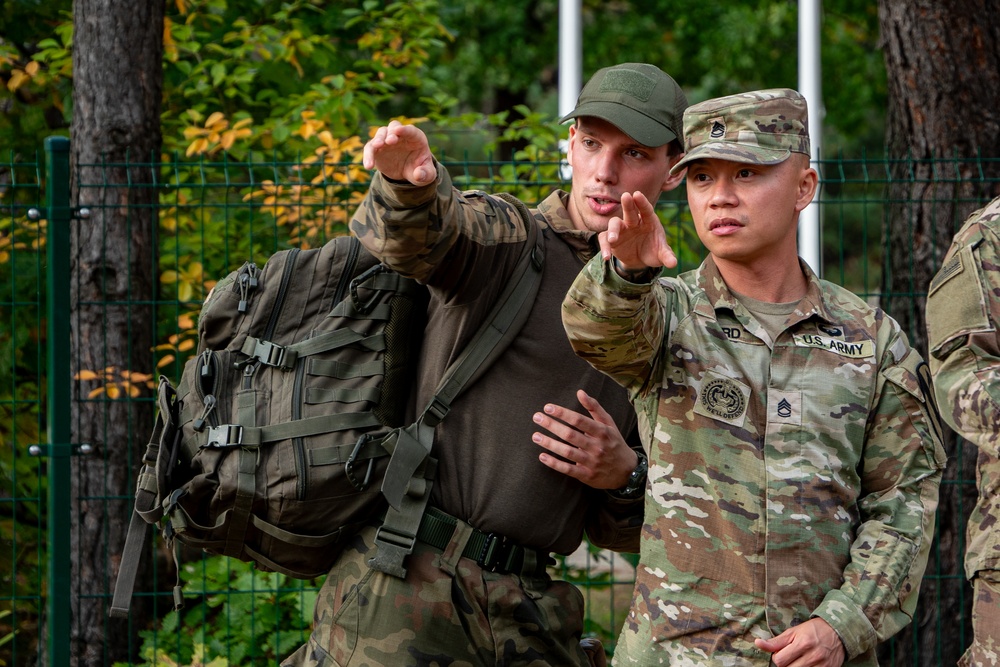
pixel 718 129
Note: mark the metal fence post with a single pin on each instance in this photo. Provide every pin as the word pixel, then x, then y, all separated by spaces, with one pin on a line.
pixel 59 413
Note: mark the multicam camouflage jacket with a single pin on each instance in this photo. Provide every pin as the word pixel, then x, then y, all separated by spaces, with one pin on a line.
pixel 788 479
pixel 963 312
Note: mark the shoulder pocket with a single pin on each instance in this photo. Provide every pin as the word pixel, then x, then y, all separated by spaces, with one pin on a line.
pixel 956 302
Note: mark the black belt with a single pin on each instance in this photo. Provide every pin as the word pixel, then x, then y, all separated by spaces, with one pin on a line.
pixel 491 551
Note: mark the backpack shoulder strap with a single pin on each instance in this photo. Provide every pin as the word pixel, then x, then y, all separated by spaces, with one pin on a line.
pixel 405 489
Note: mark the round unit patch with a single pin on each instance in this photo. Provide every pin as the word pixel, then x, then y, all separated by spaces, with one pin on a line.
pixel 723 398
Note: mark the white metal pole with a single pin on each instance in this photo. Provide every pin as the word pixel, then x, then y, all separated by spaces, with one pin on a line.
pixel 570 62
pixel 811 87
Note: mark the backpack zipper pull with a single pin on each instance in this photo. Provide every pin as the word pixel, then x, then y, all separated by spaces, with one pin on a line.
pixel 199 424
pixel 247 283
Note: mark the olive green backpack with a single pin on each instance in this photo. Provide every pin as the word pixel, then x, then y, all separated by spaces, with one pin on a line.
pixel 293 425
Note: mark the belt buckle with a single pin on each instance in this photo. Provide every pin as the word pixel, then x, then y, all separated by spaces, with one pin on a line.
pixel 496 554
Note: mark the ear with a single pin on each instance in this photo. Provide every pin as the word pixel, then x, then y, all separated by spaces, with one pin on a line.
pixel 673 180
pixel 570 143
pixel 808 182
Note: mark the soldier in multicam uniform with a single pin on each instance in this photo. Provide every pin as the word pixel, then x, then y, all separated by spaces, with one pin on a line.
pixel 963 312
pixel 794 458
pixel 498 476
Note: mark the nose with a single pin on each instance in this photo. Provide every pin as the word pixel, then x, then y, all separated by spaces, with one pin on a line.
pixel 723 193
pixel 607 168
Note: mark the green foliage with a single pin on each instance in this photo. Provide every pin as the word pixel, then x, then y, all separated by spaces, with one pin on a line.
pixel 234 613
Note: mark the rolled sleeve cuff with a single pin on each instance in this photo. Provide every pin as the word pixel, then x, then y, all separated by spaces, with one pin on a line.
pixel 849 622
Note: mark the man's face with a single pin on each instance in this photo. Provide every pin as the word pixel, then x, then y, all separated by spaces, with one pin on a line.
pixel 747 213
pixel 607 162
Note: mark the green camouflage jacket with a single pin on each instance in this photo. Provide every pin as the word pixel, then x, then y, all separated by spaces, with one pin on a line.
pixel 787 479
pixel 963 309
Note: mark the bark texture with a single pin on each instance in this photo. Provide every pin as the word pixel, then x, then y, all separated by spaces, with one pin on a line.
pixel 115 138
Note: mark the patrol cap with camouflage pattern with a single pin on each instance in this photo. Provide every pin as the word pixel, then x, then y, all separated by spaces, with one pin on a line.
pixel 760 127
pixel 639 99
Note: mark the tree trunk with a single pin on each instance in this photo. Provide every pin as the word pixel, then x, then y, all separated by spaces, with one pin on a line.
pixel 943 68
pixel 115 134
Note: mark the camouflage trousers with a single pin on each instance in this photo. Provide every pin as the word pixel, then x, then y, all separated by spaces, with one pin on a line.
pixel 985 648
pixel 447 612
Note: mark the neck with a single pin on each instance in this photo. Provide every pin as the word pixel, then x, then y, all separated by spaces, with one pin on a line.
pixel 771 282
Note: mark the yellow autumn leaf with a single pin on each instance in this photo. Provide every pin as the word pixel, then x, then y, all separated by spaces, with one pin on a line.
pixel 168 359
pixel 32 67
pixel 94 393
pixel 185 321
pixel 17 77
pixel 113 391
pixel 87 375
pixel 185 345
pixel 185 291
pixel 216 119
pixel 169 277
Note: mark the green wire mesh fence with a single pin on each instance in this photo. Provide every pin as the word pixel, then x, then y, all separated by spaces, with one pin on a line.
pixel 142 257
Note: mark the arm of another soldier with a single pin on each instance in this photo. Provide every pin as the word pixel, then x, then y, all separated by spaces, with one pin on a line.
pixel 615 324
pixel 900 468
pixel 963 308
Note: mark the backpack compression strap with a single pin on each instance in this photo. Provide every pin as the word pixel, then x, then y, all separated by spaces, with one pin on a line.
pixel 407 490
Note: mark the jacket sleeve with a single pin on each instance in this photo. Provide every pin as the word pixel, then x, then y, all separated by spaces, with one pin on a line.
pixel 963 307
pixel 615 523
pixel 901 471
pixel 614 325
pixel 450 240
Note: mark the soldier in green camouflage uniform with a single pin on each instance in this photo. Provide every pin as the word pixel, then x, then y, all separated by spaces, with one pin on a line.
pixel 500 479
pixel 963 310
pixel 794 460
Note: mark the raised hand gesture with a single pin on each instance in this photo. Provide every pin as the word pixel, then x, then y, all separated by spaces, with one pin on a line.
pixel 401 152
pixel 637 239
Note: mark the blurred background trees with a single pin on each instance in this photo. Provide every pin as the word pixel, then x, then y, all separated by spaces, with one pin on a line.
pixel 302 81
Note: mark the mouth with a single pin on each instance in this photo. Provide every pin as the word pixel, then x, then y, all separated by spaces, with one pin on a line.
pixel 724 226
pixel 603 205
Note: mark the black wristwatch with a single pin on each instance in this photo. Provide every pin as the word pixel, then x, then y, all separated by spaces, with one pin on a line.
pixel 636 484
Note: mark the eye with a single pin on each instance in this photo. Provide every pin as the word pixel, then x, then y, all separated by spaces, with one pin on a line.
pixel 746 172
pixel 635 154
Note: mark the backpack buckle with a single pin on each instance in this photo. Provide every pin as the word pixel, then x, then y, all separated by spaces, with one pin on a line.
pixel 226 435
pixel 270 354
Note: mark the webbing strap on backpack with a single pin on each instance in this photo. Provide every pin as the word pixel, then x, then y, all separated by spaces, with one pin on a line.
pixel 146 503
pixel 406 486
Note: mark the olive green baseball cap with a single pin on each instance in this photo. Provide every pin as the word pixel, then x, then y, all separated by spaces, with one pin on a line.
pixel 639 99
pixel 760 127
